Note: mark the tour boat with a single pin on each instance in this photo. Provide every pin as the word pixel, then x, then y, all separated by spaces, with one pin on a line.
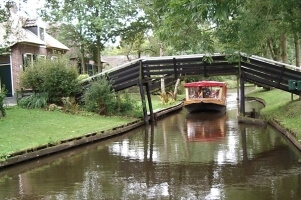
pixel 205 96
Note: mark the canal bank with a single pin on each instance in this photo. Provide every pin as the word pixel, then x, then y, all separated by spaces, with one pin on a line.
pixel 47 149
pixel 280 111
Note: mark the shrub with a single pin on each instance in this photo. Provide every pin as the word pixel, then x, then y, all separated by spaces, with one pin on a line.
pixel 82 77
pixel 2 96
pixel 34 76
pixel 60 81
pixel 57 78
pixel 37 100
pixel 100 97
pixel 126 105
pixel 70 105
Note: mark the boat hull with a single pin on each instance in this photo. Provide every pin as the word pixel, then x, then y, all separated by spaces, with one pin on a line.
pixel 204 107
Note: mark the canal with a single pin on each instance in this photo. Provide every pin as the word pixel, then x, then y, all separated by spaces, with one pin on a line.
pixel 183 156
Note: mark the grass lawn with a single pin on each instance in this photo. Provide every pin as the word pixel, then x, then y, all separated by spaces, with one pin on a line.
pixel 280 108
pixel 22 129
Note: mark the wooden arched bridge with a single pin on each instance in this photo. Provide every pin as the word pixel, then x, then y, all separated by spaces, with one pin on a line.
pixel 148 72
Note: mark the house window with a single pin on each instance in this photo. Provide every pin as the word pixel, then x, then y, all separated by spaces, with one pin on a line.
pixel 28 59
pixel 42 57
pixel 42 33
pixel 54 57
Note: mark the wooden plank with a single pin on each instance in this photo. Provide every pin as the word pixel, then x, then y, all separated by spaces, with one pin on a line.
pixel 273 70
pixel 126 78
pixel 158 67
pixel 273 77
pixel 125 85
pixel 162 73
pixel 123 72
pixel 156 62
pixel 250 77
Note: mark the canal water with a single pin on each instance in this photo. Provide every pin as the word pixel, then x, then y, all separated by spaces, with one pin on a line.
pixel 183 156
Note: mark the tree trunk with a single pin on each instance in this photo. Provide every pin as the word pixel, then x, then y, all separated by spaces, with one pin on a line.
pixel 98 57
pixel 162 86
pixel 82 59
pixel 283 48
pixel 175 92
pixel 297 49
pixel 274 50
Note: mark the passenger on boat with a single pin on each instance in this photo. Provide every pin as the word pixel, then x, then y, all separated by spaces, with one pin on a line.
pixel 206 92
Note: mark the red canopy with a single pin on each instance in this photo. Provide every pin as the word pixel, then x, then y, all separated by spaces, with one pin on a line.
pixel 205 84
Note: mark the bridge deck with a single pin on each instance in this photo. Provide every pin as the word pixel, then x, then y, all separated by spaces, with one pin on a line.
pixel 150 70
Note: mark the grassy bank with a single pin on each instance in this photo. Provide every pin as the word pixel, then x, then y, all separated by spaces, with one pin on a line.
pixel 279 107
pixel 23 129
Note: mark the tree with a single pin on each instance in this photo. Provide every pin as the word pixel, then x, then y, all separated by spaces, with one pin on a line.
pixel 4 21
pixel 254 27
pixel 96 22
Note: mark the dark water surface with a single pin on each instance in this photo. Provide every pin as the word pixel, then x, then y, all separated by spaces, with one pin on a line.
pixel 183 156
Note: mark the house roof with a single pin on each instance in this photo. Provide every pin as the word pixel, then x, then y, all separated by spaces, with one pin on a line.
pixel 19 34
pixel 51 42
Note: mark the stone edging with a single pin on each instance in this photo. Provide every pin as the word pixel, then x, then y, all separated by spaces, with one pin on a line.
pixel 48 149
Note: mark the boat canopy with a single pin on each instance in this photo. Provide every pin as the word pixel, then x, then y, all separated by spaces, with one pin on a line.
pixel 205 84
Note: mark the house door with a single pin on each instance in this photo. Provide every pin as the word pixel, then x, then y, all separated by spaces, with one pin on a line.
pixel 5 79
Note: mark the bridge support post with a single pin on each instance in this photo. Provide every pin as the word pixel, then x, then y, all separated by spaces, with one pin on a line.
pixel 143 102
pixel 242 95
pixel 149 99
pixel 237 87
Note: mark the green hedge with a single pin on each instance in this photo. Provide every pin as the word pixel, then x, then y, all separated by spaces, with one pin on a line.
pixel 57 78
pixel 2 96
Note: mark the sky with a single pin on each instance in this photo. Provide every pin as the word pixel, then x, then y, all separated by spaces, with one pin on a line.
pixel 30 7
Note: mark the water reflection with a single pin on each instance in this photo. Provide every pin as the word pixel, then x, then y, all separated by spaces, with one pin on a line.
pixel 205 126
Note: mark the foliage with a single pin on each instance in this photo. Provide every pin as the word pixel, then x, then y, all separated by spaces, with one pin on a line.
pixel 82 77
pixel 57 78
pixel 37 100
pixel 5 23
pixel 2 96
pixel 126 105
pixel 88 25
pixel 34 76
pixel 100 97
pixel 167 98
pixel 61 80
pixel 70 105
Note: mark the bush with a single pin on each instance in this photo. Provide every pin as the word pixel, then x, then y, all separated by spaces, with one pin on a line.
pixel 57 78
pixel 2 96
pixel 70 105
pixel 100 97
pixel 37 100
pixel 126 105
pixel 34 76
pixel 82 77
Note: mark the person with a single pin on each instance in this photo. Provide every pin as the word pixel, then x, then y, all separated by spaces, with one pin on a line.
pixel 206 92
